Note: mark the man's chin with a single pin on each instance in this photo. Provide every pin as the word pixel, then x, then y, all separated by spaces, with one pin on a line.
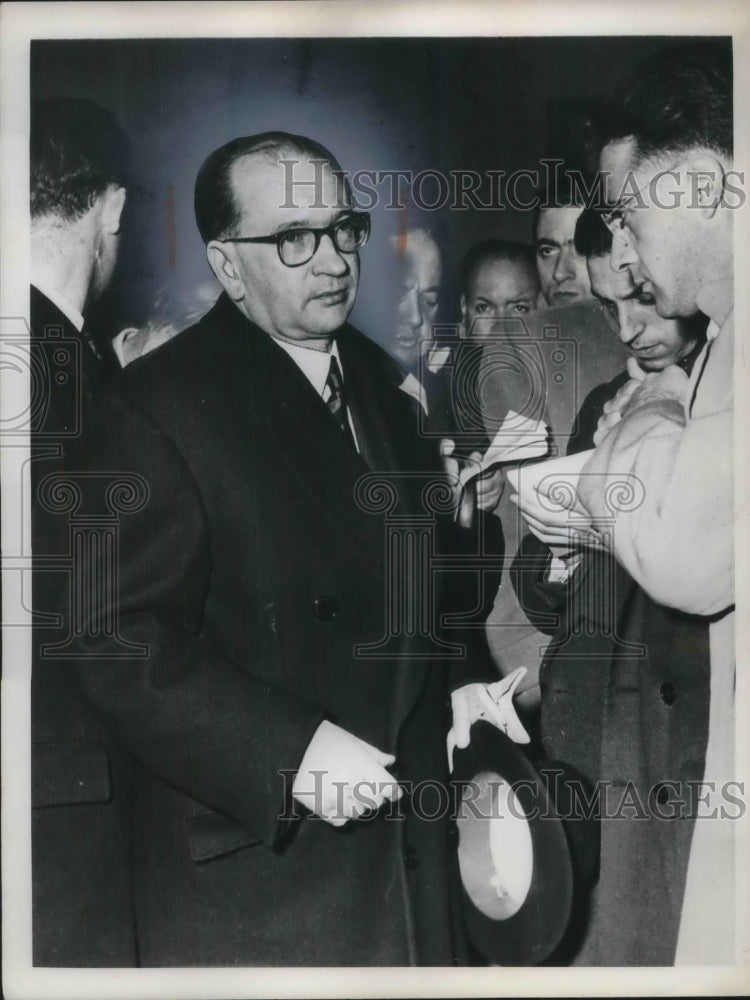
pixel 326 318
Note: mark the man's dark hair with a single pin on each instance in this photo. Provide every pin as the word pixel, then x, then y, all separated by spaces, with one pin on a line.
pixel 592 238
pixel 495 250
pixel 216 211
pixel 676 99
pixel 77 151
pixel 566 189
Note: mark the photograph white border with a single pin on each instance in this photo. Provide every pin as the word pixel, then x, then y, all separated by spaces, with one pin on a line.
pixel 21 22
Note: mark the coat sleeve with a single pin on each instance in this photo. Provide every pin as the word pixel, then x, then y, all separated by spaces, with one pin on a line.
pixel 536 596
pixel 212 728
pixel 675 534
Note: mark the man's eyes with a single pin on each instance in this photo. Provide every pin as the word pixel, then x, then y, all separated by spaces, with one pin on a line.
pixel 546 251
pixel 608 306
pixel 430 299
pixel 521 308
pixel 295 236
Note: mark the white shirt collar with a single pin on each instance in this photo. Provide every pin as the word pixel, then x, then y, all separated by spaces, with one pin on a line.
pixel 69 310
pixel 313 364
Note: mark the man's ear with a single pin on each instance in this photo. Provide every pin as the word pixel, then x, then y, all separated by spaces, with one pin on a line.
pixel 113 202
pixel 706 175
pixel 222 263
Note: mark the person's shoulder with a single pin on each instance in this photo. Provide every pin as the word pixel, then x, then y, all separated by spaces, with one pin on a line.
pixel 379 361
pixel 186 355
pixel 354 340
pixel 603 392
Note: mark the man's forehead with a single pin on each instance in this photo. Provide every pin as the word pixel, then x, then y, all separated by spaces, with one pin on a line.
pixel 506 274
pixel 616 162
pixel 419 258
pixel 558 224
pixel 282 183
pixel 607 283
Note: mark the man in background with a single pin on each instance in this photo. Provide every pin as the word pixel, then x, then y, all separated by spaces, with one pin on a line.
pixel 78 161
pixel 82 906
pixel 562 271
pixel 420 272
pixel 499 280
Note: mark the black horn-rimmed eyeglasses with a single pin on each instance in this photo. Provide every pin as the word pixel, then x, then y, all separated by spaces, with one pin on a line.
pixel 298 246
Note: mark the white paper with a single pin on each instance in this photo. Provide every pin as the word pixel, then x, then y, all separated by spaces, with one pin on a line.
pixel 517 439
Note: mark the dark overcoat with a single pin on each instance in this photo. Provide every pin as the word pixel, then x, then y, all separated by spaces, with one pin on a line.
pixel 265 583
pixel 80 779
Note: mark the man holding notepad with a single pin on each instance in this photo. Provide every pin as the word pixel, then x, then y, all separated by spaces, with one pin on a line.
pixel 625 679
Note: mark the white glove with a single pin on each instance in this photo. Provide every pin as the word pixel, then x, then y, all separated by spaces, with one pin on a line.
pixel 492 702
pixel 341 777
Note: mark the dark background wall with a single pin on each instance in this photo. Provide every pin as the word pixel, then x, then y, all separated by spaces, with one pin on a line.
pixel 379 104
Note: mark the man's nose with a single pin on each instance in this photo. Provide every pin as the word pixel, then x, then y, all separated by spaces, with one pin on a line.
pixel 565 266
pixel 409 310
pixel 623 255
pixel 328 259
pixel 631 324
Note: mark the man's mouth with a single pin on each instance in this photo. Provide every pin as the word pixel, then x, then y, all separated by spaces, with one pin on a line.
pixel 333 298
pixel 647 350
pixel 406 339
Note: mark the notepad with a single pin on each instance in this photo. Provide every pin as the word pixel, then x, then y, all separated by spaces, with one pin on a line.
pixel 517 439
pixel 556 480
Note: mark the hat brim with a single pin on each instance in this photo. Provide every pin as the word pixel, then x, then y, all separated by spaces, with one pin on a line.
pixel 529 933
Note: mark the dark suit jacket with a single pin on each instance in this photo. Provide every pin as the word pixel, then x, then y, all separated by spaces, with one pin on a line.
pixel 625 696
pixel 81 870
pixel 254 574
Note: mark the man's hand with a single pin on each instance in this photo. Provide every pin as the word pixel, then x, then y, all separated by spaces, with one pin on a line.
pixel 489 485
pixel 341 777
pixel 493 702
pixel 613 409
pixel 553 527
pixel 465 499
pixel 482 493
pixel 669 385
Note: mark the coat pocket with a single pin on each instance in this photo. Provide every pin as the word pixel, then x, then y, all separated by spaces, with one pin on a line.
pixel 213 835
pixel 69 772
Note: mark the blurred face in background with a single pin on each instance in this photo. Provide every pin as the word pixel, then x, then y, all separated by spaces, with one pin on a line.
pixel 562 271
pixel 498 289
pixel 420 273
pixel 653 341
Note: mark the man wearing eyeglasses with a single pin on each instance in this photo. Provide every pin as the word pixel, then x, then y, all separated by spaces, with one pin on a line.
pixel 624 682
pixel 279 692
pixel 667 167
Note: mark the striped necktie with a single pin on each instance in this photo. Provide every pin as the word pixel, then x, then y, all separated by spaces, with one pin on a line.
pixel 337 399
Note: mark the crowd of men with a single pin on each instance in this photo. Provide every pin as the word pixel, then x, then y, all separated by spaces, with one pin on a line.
pixel 257 663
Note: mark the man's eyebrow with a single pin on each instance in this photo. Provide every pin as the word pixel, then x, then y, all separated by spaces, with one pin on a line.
pixel 306 224
pixel 545 241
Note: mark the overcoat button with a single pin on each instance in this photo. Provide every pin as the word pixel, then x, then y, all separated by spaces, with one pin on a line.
pixel 668 693
pixel 410 857
pixel 325 608
pixel 662 794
